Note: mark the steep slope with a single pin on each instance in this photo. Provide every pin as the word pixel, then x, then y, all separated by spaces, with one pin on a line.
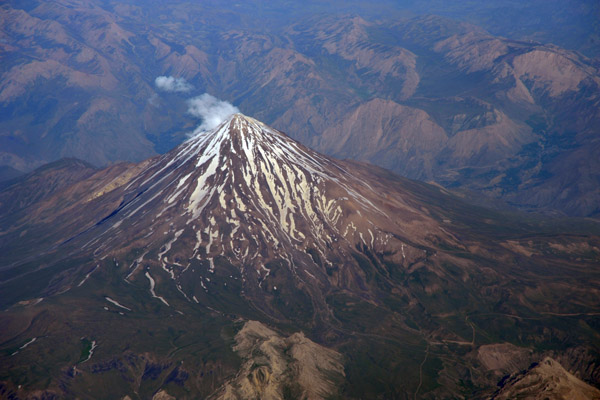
pixel 381 130
pixel 140 278
pixel 546 380
pixel 43 183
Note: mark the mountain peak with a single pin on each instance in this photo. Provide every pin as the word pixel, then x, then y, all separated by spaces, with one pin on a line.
pixel 250 194
pixel 243 119
pixel 239 124
pixel 237 134
pixel 242 142
pixel 239 121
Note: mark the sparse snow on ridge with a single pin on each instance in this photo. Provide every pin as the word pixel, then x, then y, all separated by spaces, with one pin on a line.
pixel 152 283
pixel 168 245
pixel 116 303
pixel 87 276
pixel 25 345
pixel 135 265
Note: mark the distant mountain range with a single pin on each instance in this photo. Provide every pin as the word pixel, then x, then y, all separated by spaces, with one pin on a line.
pixel 430 98
pixel 242 264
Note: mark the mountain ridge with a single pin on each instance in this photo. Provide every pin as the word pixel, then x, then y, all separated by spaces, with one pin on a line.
pixel 466 108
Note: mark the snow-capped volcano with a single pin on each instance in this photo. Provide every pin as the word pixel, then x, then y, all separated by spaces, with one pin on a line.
pixel 250 194
pixel 243 190
pixel 167 256
pixel 250 174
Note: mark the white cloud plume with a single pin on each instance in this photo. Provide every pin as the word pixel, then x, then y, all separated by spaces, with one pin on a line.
pixel 172 84
pixel 211 110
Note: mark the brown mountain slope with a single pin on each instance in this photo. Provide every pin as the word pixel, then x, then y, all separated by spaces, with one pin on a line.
pixel 138 279
pixel 547 380
pixel 44 182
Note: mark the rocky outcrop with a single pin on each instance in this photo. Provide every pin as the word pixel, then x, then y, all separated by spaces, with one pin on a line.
pixel 162 395
pixel 503 358
pixel 278 367
pixel 546 380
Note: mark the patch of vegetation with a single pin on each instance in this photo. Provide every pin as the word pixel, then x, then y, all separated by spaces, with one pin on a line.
pixel 85 350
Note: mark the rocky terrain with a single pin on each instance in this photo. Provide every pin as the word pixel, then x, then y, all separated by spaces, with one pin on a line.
pixel 243 263
pixel 276 367
pixel 546 380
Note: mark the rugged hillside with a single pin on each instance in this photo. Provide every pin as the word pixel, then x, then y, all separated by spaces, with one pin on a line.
pixel 42 183
pixel 8 174
pixel 546 380
pixel 141 279
pixel 292 367
pixel 513 120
